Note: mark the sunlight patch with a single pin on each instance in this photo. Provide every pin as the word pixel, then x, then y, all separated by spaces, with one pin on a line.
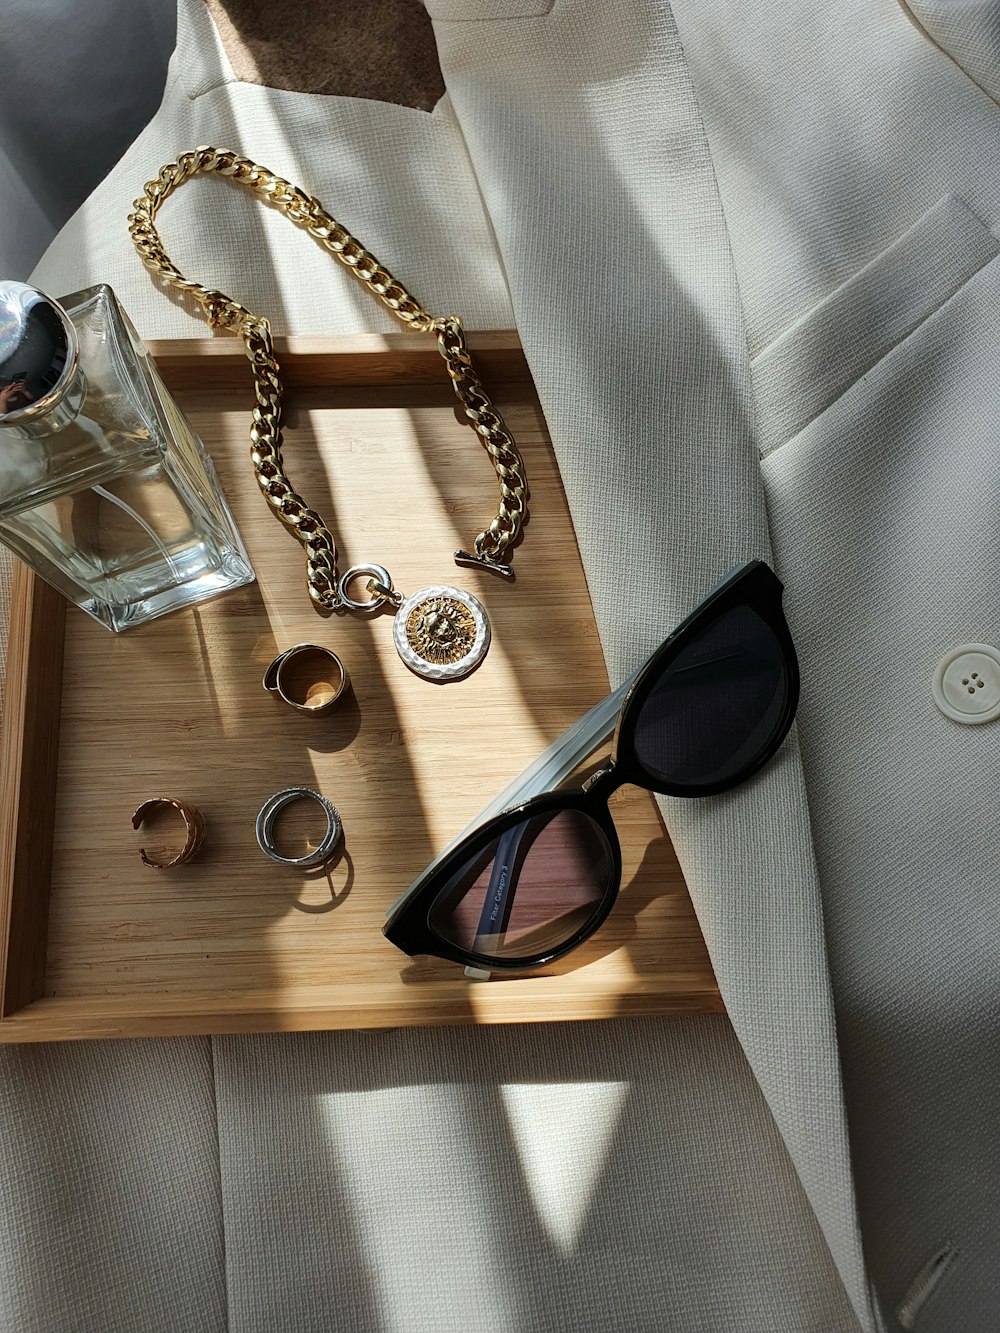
pixel 563 1133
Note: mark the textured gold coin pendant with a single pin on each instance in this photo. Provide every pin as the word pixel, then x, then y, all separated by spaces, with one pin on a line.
pixel 441 632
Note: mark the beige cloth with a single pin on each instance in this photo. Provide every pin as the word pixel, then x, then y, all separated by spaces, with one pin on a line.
pixel 863 208
pixel 757 227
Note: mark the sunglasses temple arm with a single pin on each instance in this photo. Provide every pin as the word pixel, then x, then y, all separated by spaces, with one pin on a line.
pixel 556 763
pixel 552 766
pixel 499 901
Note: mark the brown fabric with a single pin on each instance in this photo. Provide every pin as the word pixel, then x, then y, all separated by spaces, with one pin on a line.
pixel 379 49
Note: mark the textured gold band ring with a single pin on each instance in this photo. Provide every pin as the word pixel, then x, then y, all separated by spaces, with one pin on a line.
pixel 194 825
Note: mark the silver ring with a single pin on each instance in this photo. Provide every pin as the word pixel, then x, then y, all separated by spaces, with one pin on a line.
pixel 269 812
pixel 356 571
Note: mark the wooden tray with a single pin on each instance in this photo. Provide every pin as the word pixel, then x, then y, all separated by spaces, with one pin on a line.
pixel 97 945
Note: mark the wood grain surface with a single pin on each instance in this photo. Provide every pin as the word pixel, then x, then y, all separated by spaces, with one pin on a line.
pixel 28 767
pixel 231 942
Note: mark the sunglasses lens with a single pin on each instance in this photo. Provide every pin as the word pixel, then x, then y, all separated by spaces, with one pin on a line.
pixel 718 704
pixel 529 891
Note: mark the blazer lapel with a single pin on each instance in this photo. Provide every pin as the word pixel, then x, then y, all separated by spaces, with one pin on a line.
pixel 590 153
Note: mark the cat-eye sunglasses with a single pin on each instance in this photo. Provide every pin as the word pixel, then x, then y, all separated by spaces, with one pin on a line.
pixel 538 873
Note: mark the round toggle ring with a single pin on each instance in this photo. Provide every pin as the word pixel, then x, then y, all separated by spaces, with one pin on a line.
pixel 193 823
pixel 269 813
pixel 308 678
pixel 376 574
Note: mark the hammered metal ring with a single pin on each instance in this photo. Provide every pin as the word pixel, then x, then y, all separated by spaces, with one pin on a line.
pixel 270 810
pixel 308 678
pixel 194 825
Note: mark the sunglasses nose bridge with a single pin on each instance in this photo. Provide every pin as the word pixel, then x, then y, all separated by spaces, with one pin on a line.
pixel 604 781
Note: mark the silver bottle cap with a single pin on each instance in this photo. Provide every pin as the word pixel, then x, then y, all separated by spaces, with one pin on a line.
pixel 38 354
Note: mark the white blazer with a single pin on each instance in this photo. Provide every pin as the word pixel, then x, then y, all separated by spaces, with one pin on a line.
pixel 749 249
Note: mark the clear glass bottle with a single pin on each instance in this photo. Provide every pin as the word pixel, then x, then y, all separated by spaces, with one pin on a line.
pixel 105 491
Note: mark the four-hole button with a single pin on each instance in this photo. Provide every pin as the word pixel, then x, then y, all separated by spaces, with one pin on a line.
pixel 967 683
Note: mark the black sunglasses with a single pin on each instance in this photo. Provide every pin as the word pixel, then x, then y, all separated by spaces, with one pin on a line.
pixel 707 710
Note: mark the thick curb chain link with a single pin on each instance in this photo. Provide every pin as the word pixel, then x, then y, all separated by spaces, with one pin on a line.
pixel 488 424
pixel 266 431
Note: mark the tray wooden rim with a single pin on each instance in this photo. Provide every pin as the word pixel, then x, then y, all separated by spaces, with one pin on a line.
pixel 29 755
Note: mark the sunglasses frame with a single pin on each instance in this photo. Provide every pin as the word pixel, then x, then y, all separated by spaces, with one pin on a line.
pixel 753 585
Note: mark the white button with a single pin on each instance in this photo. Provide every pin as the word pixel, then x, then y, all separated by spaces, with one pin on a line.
pixel 967 683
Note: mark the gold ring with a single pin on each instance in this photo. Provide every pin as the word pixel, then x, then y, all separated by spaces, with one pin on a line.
pixel 308 678
pixel 193 823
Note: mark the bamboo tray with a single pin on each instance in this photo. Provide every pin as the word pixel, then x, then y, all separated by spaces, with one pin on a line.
pixel 97 945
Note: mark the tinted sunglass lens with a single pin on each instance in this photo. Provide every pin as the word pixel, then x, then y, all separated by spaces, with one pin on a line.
pixel 530 891
pixel 718 704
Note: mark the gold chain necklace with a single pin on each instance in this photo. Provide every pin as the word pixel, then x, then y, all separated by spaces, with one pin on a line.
pixel 440 632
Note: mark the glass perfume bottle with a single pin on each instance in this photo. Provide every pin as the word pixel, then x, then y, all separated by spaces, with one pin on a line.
pixel 105 491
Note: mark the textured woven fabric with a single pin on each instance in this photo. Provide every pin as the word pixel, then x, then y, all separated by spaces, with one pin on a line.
pixel 826 350
pixel 880 489
pixel 622 283
pixel 832 129
pixel 513 1179
pixel 969 31
pixel 863 208
pixel 6 567
pixel 110 1207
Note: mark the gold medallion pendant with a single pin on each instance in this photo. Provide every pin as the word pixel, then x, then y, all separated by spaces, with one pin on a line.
pixel 441 632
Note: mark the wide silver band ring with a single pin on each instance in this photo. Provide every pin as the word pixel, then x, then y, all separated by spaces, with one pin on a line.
pixel 269 812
